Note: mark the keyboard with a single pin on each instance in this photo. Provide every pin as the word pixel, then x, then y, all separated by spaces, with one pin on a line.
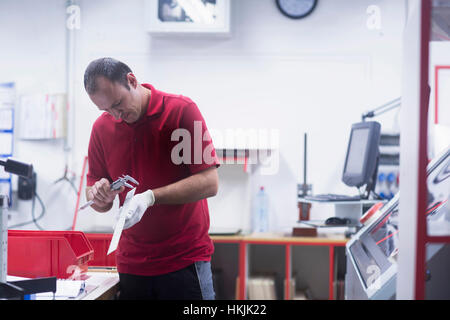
pixel 332 197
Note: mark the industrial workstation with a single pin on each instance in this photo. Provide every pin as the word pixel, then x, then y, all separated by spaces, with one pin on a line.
pixel 224 150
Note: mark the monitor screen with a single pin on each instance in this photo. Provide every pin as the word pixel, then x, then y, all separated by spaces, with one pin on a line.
pixel 358 145
pixel 362 154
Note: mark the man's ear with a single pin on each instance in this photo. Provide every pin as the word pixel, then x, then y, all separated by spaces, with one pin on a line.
pixel 132 80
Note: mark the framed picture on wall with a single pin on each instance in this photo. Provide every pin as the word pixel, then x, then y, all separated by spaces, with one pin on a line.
pixel 165 17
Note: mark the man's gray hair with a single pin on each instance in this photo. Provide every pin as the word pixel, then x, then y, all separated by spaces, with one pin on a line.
pixel 111 69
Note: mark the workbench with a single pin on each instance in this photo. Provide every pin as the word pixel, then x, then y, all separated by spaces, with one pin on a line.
pixel 243 242
pixel 104 284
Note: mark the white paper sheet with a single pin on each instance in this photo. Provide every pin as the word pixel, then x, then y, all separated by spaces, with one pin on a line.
pixel 119 225
pixel 65 289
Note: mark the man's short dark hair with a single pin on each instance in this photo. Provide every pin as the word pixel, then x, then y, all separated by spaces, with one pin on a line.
pixel 111 69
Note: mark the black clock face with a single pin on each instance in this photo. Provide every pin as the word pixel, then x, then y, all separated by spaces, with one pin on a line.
pixel 296 9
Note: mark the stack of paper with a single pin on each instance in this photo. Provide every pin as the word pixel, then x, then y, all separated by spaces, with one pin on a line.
pixel 65 289
pixel 261 288
pixel 294 293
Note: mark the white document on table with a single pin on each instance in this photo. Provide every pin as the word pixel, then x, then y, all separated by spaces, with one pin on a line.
pixel 120 222
pixel 65 289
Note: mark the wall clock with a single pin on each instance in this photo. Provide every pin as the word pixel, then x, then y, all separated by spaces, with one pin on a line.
pixel 296 9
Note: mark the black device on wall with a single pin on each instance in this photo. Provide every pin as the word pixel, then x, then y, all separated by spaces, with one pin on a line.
pixel 27 187
pixel 17 167
pixel 361 161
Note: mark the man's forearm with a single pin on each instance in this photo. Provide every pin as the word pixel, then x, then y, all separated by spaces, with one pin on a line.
pixel 196 187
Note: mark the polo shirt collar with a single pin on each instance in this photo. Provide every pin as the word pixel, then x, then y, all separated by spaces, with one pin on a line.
pixel 154 108
pixel 155 105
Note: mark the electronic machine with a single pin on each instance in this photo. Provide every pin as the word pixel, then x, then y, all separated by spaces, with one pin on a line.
pixel 372 252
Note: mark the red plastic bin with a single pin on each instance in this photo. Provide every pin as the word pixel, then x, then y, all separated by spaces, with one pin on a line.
pixel 60 254
pixel 100 242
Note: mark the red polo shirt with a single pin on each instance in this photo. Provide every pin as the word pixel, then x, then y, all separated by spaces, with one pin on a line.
pixel 168 237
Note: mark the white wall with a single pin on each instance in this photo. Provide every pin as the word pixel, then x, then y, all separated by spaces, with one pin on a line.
pixel 440 134
pixel 315 75
pixel 33 56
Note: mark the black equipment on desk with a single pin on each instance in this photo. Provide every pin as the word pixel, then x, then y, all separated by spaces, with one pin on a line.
pixel 17 290
pixel 377 243
pixel 361 162
pixel 336 221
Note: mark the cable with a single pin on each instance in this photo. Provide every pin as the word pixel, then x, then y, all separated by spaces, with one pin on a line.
pixel 32 214
pixel 377 195
pixel 361 194
pixel 42 213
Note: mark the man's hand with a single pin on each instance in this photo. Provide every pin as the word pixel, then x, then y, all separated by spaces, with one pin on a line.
pixel 138 205
pixel 102 195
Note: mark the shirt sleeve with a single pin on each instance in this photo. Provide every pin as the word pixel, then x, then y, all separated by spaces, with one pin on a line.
pixel 202 152
pixel 96 160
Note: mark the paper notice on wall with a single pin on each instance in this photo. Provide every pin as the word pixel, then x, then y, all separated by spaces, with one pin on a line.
pixel 6 119
pixel 7 94
pixel 6 143
pixel 43 116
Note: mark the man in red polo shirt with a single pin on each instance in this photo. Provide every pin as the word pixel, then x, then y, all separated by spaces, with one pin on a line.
pixel 162 141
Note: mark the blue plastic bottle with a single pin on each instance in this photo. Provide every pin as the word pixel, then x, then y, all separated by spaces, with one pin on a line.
pixel 260 221
pixel 381 186
pixel 391 178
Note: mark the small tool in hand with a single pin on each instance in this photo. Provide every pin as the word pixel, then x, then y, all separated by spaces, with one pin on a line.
pixel 116 185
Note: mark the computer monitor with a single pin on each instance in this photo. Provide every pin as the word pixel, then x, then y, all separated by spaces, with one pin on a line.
pixel 361 161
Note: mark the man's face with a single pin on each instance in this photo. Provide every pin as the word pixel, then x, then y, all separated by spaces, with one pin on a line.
pixel 117 100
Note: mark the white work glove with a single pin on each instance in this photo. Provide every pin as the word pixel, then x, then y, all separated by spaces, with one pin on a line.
pixel 138 205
